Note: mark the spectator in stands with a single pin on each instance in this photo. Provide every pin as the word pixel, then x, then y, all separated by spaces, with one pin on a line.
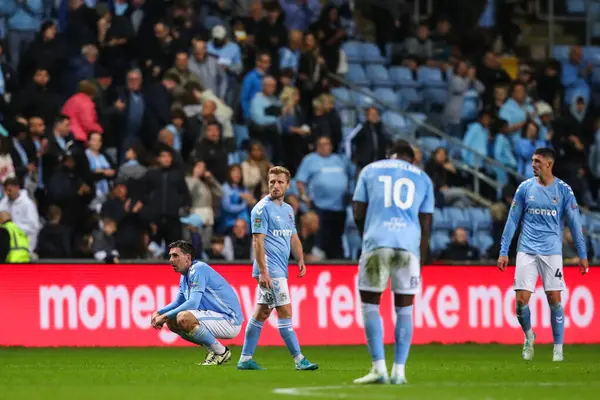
pixel 166 195
pixel 183 72
pixel 516 111
pixel 447 182
pixel 23 20
pixel 115 38
pixel 324 125
pixel 531 139
pixel 419 48
pixel 7 169
pixel 158 53
pixel 253 82
pixel 236 201
pixel 104 92
pixel 129 110
pixel 22 209
pixel 569 252
pixel 459 248
pixel 54 240
pixel 296 133
pixel 443 41
pixel 312 71
pixel 307 231
pixel 500 97
pixel 101 169
pixel 463 80
pixel 369 144
pixel 575 75
pixel 23 155
pixel 255 170
pixel 549 86
pixel 491 74
pixel 81 25
pixel 216 249
pixel 37 98
pixel 82 67
pixel 193 225
pixel 546 117
pixel 206 67
pixel 68 189
pixel 47 49
pixel 81 110
pixel 8 84
pixel 272 33
pixel 205 192
pixel 323 180
pixel 214 150
pixel 176 127
pixel 333 118
pixel 477 138
pixel 157 106
pixel 14 244
pixel 230 59
pixel 300 14
pixel 265 110
pixel 331 35
pixel 238 244
pixel 289 57
pixel 104 244
pixel 58 144
pixel 500 149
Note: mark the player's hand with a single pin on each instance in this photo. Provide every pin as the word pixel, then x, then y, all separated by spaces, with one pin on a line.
pixel 159 321
pixel 584 266
pixel 302 267
pixel 264 280
pixel 155 315
pixel 502 263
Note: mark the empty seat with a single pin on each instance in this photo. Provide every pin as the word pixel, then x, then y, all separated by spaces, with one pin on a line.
pixel 362 100
pixel 410 99
pixel 356 74
pixel 576 6
pixel 371 54
pixel 388 97
pixel 348 117
pixel 434 99
pixel 591 54
pixel 431 77
pixel 458 218
pixel 378 76
pixel 428 144
pixel 561 53
pixel 439 241
pixel 353 51
pixel 342 95
pixel 395 124
pixel 403 77
pixel 482 219
pixel 484 242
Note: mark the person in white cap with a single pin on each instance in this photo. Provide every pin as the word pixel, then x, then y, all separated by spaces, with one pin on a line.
pixel 230 58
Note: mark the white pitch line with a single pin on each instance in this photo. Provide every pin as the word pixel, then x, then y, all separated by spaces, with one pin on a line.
pixel 325 391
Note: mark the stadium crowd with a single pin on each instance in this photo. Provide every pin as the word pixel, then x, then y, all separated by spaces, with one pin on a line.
pixel 127 124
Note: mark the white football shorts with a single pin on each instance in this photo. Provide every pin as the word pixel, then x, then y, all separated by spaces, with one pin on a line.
pixel 218 324
pixel 529 266
pixel 378 267
pixel 276 296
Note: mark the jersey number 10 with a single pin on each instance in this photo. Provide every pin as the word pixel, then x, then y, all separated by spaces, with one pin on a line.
pixel 393 192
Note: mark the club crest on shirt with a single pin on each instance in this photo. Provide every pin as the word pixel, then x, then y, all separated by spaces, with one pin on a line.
pixel 555 201
pixel 530 198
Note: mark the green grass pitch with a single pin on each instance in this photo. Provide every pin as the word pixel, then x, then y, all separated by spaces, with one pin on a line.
pixel 434 372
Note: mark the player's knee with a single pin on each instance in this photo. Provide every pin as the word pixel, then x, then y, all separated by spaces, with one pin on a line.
pixel 172 325
pixel 284 312
pixel 262 314
pixel 186 321
pixel 553 298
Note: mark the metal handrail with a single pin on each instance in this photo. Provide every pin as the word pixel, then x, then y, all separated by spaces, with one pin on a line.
pixel 430 128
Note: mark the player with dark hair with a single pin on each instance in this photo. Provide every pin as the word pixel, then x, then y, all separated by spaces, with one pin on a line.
pixel 206 308
pixel 539 205
pixel 393 205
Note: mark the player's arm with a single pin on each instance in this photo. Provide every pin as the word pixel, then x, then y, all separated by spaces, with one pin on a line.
pixel 571 209
pixel 260 226
pixel 360 202
pixel 425 220
pixel 298 253
pixel 512 222
pixel 197 285
pixel 179 300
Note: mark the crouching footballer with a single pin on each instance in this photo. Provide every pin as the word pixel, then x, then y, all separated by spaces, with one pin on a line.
pixel 206 308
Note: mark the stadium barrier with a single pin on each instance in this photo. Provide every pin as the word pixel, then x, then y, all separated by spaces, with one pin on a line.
pixel 110 305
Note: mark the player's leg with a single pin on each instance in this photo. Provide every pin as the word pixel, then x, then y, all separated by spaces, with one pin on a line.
pixel 286 330
pixel 264 306
pixel 197 332
pixel 551 270
pixel 406 282
pixel 526 274
pixel 221 327
pixel 373 277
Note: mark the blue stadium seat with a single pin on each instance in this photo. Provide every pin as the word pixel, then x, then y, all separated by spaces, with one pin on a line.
pixel 348 117
pixel 342 96
pixel 353 51
pixel 482 219
pixel 395 124
pixel 440 222
pixel 596 248
pixel 410 99
pixel 591 54
pixel 470 106
pixel 361 100
pixel 431 78
pixel 458 218
pixel 388 97
pixel 439 241
pixel 378 76
pixel 372 55
pixel 483 241
pixel 561 53
pixel 434 99
pixel 576 6
pixel 429 143
pixel 356 74
pixel 241 134
pixel 403 77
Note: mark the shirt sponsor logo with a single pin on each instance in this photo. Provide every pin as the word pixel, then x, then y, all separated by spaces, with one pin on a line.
pixel 257 222
pixel 281 232
pixel 542 211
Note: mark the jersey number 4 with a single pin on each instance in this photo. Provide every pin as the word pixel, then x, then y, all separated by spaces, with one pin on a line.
pixel 392 192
